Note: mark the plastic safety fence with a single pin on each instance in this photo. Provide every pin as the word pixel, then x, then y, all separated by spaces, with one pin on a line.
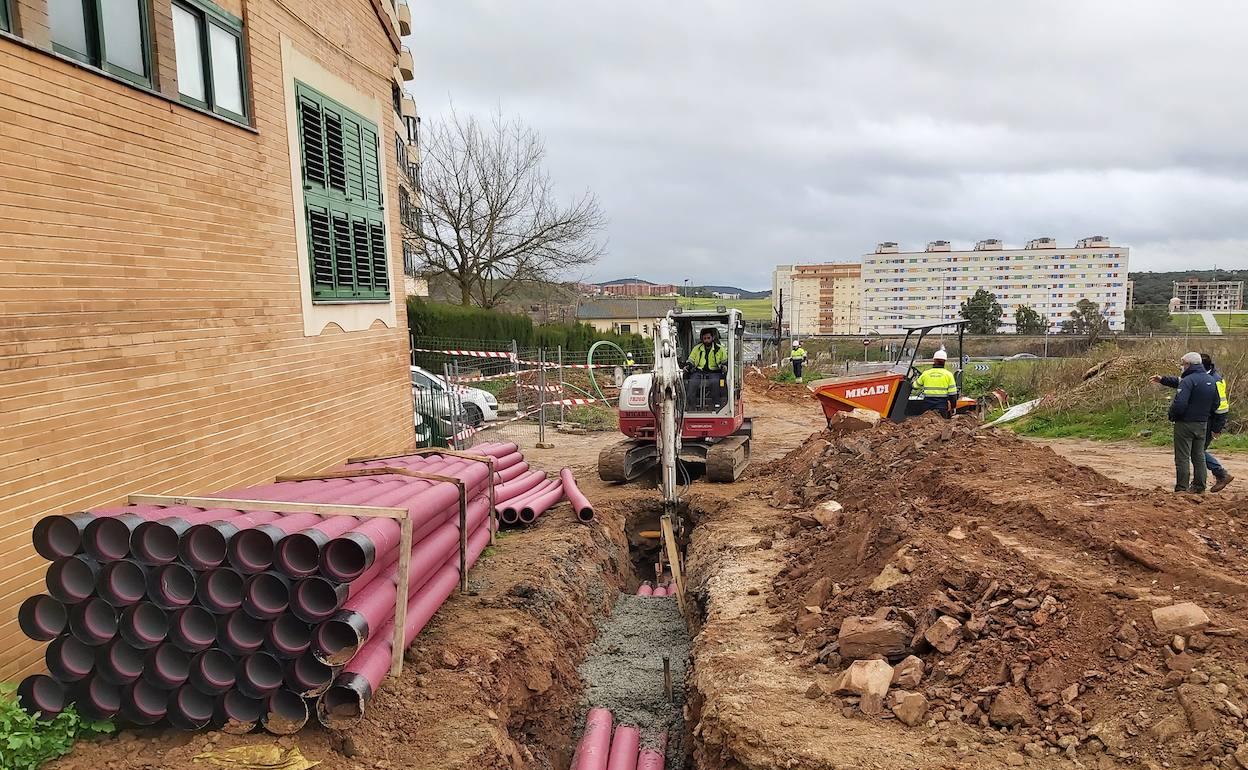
pixel 195 617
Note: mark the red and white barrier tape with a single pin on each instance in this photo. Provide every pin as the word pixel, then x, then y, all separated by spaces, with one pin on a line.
pixel 470 353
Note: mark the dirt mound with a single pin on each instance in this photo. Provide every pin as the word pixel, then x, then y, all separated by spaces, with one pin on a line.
pixel 758 385
pixel 1023 585
pixel 1112 381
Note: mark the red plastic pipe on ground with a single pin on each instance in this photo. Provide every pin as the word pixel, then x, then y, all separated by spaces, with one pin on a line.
pixel 339 638
pixel 343 703
pixel 539 504
pixel 653 757
pixel 580 503
pixel 624 748
pixel 593 751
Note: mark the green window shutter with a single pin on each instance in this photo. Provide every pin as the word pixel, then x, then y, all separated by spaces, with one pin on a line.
pixel 377 248
pixel 312 140
pixel 335 155
pixel 353 159
pixel 372 167
pixel 319 246
pixel 363 256
pixel 344 256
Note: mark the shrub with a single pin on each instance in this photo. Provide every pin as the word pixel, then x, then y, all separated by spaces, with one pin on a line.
pixel 26 742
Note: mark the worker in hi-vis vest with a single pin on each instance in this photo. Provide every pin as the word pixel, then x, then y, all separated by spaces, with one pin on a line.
pixel 798 359
pixel 706 368
pixel 938 386
pixel 1216 424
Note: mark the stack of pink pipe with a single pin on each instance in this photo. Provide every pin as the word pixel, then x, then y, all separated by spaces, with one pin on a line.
pixel 201 616
pixel 528 494
pixel 602 748
pixel 663 589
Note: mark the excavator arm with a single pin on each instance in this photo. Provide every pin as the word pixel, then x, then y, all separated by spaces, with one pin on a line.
pixel 667 400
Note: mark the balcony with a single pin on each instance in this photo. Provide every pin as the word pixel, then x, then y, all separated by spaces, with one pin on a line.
pixel 407 65
pixel 408 106
pixel 405 19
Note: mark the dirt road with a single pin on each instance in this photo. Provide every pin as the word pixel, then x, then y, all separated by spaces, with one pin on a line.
pixel 1139 465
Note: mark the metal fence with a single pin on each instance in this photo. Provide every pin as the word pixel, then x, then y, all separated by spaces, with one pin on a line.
pixel 473 391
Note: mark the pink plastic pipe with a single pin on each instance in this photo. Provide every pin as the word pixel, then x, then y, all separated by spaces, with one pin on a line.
pixel 624 748
pixel 343 703
pixel 536 506
pixel 518 486
pixel 519 469
pixel 511 510
pixel 580 503
pixel 645 590
pixel 593 750
pixel 660 591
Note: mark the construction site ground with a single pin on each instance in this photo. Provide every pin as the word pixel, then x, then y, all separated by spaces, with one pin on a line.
pixel 1050 572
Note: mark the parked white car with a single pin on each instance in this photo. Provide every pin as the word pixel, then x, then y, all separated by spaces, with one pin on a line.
pixel 477 406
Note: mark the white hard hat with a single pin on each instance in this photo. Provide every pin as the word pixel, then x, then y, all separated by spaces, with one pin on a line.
pixel 795 344
pixel 940 355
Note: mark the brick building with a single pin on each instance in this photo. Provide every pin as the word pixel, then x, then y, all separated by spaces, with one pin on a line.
pixel 200 253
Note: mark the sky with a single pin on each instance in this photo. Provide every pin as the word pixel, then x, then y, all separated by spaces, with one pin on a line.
pixel 723 138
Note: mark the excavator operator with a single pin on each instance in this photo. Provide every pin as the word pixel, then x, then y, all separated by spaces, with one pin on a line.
pixel 938 386
pixel 706 370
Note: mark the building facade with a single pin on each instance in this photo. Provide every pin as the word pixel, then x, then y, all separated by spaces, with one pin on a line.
pixel 900 288
pixel 639 289
pixel 200 240
pixel 781 289
pixel 827 298
pixel 624 316
pixel 1220 296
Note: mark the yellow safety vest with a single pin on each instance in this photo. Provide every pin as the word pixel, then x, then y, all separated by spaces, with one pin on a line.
pixel 1224 403
pixel 798 353
pixel 937 382
pixel 706 360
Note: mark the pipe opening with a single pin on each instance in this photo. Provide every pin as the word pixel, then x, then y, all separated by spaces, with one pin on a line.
pixel 299 554
pixel 167 667
pixel 97 699
pixel 237 714
pixel 242 634
pixel 337 640
pixel 155 542
pixel 286 714
pixel 119 663
pixel 212 671
pixel 193 629
pixel 314 599
pixel 56 537
pixel 288 637
pixel 122 583
pixel 171 586
pixel 143 703
pixel 190 709
pixel 527 515
pixel 508 516
pixel 308 676
pixel 42 618
pixel 68 659
pixel 94 621
pixel 267 595
pixel 259 674
pixel 203 547
pixel 41 694
pixel 585 514
pixel 251 551
pixel 340 707
pixel 71 579
pixel 221 590
pixel 346 557
pixel 144 625
pixel 108 538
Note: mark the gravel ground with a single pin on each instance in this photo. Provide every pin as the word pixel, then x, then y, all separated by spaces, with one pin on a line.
pixel 624 669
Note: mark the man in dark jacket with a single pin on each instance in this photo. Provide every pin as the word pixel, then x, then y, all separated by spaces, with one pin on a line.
pixel 1217 424
pixel 1195 404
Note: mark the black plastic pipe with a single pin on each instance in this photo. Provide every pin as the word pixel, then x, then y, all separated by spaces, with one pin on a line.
pixel 308 676
pixel 314 599
pixel 122 583
pixel 236 714
pixel 144 625
pixel 42 618
pixel 93 621
pixel 143 703
pixel 167 667
pixel 72 579
pixel 95 698
pixel 212 671
pixel 239 633
pixel 56 537
pixel 259 675
pixel 41 694
pixel 221 590
pixel 171 586
pixel 286 713
pixel 118 663
pixel 189 708
pixel 68 659
pixel 192 629
pixel 267 595
pixel 287 636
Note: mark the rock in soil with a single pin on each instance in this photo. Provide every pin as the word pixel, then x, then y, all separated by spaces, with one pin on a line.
pixel 867 637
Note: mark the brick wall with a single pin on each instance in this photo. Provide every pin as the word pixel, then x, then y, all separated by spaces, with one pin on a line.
pixel 151 331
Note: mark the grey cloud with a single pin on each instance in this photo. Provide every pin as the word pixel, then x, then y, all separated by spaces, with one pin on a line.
pixel 724 137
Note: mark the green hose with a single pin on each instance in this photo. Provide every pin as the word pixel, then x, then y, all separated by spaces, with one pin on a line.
pixel 589 359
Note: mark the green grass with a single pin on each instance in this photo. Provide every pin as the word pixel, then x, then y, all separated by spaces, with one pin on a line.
pixel 593 417
pixel 26 742
pixel 1231 322
pixel 751 309
pixel 786 375
pixel 1118 424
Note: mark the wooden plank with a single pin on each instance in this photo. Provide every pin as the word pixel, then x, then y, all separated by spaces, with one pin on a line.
pixel 363 472
pixel 325 509
pixel 673 557
pixel 397 647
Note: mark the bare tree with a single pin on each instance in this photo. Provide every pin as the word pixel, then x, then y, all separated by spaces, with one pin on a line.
pixel 491 221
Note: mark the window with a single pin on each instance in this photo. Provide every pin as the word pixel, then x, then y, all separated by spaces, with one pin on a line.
pixel 208 43
pixel 109 34
pixel 343 207
pixel 4 15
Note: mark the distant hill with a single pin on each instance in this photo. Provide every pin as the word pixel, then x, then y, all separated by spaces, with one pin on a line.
pixel 697 289
pixel 1156 288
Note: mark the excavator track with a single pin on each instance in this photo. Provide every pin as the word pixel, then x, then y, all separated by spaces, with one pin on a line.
pixel 726 460
pixel 626 460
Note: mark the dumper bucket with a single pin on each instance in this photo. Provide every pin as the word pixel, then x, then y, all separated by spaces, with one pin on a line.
pixel 875 391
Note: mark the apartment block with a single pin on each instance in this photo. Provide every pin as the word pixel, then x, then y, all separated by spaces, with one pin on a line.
pixel 200 243
pixel 781 288
pixel 827 298
pixel 1193 294
pixel 639 289
pixel 900 288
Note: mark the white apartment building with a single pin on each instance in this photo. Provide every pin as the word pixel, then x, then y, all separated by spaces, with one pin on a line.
pixel 900 288
pixel 781 286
